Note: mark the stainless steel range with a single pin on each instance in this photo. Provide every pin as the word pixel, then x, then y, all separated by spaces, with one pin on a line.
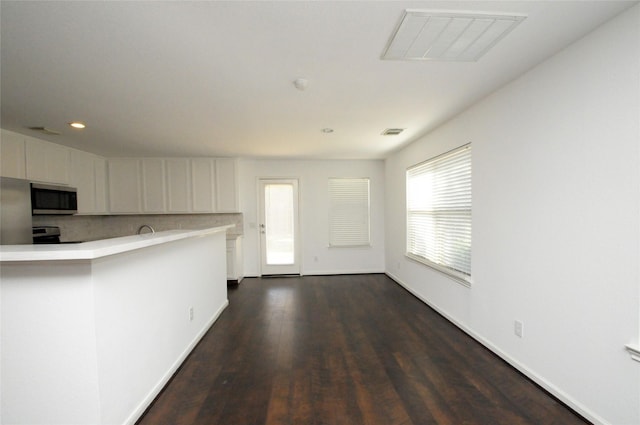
pixel 46 234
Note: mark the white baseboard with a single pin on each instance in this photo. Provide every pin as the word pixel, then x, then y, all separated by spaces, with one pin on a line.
pixel 146 402
pixel 331 272
pixel 548 386
pixel 343 272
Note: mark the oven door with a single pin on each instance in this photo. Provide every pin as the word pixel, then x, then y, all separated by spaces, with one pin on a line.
pixel 40 240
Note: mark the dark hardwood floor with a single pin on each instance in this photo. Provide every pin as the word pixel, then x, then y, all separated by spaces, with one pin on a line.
pixel 344 350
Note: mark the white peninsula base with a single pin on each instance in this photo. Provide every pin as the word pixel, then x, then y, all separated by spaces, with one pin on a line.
pixel 93 337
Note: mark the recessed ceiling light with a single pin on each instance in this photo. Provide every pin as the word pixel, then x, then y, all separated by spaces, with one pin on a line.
pixel 327 130
pixel 448 36
pixel 77 124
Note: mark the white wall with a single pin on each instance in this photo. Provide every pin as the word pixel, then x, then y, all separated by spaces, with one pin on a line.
pixel 48 357
pixel 143 327
pixel 93 342
pixel 314 214
pixel 556 222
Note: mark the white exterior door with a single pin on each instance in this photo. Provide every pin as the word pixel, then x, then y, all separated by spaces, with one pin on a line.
pixel 279 245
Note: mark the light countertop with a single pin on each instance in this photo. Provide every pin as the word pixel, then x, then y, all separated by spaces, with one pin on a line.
pixel 101 248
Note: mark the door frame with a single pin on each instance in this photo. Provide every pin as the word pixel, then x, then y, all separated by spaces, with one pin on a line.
pixel 296 268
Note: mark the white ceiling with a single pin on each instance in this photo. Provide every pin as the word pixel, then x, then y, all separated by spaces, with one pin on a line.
pixel 215 78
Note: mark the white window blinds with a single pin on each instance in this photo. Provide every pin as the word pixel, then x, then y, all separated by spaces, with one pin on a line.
pixel 439 212
pixel 348 212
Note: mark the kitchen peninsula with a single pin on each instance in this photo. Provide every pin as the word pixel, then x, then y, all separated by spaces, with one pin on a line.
pixel 91 332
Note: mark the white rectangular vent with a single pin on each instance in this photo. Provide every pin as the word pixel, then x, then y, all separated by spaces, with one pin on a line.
pixel 392 131
pixel 448 36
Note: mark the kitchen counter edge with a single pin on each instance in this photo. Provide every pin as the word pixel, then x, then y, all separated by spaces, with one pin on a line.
pixel 100 248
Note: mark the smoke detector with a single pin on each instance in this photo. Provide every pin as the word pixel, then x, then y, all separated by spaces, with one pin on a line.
pixel 448 36
pixel 301 83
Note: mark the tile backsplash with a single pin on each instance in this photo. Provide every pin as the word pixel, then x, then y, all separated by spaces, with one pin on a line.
pixel 94 227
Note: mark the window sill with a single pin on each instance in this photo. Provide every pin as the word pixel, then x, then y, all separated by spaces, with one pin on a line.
pixel 460 278
pixel 634 351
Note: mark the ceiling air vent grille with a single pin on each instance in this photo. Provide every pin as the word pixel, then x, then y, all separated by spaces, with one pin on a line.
pixel 448 36
pixel 392 131
pixel 45 130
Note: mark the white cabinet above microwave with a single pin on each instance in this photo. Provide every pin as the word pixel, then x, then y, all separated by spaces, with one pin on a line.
pixel 47 162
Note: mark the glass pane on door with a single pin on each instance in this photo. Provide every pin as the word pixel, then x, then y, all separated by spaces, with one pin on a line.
pixel 279 224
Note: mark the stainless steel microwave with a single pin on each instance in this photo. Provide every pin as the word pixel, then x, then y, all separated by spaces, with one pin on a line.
pixel 52 199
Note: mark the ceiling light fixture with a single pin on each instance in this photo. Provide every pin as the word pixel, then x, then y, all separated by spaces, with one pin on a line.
pixel 77 124
pixel 448 36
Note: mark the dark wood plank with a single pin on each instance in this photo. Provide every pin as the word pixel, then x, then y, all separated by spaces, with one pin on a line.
pixel 344 350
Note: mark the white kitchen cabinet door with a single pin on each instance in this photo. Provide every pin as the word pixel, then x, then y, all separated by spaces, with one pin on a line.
pixel 178 185
pixel 83 178
pixel 226 185
pixel 88 175
pixel 12 155
pixel 203 185
pixel 153 186
pixel 100 168
pixel 124 186
pixel 234 260
pixel 47 162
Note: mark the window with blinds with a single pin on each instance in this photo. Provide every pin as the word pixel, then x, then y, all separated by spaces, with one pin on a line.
pixel 439 213
pixel 348 212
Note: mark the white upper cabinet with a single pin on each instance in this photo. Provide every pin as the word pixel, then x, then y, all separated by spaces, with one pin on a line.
pixel 47 162
pixel 101 185
pixel 83 178
pixel 153 186
pixel 226 185
pixel 214 185
pixel 124 186
pixel 178 185
pixel 88 175
pixel 172 185
pixel 203 178
pixel 12 155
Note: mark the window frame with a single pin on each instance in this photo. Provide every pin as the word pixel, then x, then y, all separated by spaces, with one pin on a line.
pixel 459 276
pixel 335 214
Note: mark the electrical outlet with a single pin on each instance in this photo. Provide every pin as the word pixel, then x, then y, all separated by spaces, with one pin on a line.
pixel 518 328
pixel 190 314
